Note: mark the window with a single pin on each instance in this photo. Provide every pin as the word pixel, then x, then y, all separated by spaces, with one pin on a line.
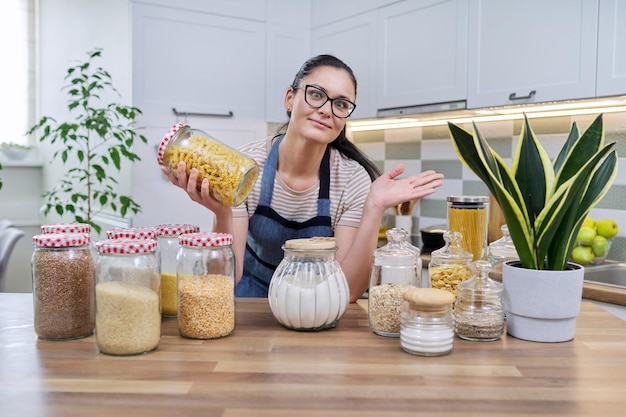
pixel 17 74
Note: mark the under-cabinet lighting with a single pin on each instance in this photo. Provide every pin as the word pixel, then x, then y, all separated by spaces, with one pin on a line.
pixel 494 114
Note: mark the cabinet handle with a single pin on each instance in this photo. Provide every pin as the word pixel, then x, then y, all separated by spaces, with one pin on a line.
pixel 514 96
pixel 185 114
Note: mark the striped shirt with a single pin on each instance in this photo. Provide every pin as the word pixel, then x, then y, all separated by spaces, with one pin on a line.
pixel 349 185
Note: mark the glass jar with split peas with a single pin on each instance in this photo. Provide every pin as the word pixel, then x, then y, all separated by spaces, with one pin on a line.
pixel 231 174
pixel 449 266
pixel 63 275
pixel 168 246
pixel 396 267
pixel 128 302
pixel 206 285
pixel 479 314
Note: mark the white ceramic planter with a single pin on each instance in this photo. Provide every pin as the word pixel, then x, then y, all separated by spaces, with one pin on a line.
pixel 542 306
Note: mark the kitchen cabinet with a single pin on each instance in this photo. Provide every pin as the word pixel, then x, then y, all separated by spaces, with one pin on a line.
pixel 612 48
pixel 422 53
pixel 531 51
pixel 352 40
pixel 198 63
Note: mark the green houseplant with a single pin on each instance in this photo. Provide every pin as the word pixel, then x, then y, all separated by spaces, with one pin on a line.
pixel 98 137
pixel 544 203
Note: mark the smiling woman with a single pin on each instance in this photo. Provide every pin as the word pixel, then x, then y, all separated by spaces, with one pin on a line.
pixel 16 114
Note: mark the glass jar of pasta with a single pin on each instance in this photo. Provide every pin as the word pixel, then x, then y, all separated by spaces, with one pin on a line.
pixel 168 246
pixel 206 285
pixel 396 267
pixel 231 174
pixel 128 308
pixel 449 266
pixel 469 215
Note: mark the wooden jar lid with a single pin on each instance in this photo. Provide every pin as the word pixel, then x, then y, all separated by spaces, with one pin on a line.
pixel 312 243
pixel 428 299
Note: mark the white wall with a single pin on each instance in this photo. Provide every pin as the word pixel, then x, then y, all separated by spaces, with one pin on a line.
pixel 67 30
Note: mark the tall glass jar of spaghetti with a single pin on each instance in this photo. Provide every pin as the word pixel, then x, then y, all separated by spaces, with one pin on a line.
pixel 206 285
pixel 469 215
pixel 168 245
pixel 231 174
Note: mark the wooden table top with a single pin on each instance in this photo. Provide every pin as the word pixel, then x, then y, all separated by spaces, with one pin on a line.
pixel 263 369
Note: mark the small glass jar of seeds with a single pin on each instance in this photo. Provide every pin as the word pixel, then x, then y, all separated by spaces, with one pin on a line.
pixel 128 307
pixel 478 311
pixel 168 245
pixel 63 286
pixel 449 266
pixel 231 174
pixel 206 285
pixel 396 267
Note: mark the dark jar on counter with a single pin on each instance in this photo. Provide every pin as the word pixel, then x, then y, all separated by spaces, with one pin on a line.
pixel 206 285
pixel 63 286
pixel 128 307
pixel 231 174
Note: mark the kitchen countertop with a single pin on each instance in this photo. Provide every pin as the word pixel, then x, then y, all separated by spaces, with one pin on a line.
pixel 263 369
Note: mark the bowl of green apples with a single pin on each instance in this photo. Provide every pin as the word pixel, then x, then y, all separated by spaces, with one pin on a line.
pixel 594 241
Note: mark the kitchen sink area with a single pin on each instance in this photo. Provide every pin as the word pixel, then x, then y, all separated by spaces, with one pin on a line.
pixel 606 282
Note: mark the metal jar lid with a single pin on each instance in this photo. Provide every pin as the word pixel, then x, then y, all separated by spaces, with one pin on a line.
pixel 467 201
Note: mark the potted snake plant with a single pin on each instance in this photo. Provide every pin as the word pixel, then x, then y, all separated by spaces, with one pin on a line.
pixel 544 203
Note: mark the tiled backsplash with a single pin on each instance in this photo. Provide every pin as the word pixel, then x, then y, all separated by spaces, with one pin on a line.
pixel 431 148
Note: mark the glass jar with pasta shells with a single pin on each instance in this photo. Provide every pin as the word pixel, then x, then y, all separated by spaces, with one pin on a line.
pixel 231 174
pixel 449 266
pixel 396 267
pixel 128 307
pixel 206 285
pixel 63 273
pixel 308 290
pixel 469 215
pixel 168 246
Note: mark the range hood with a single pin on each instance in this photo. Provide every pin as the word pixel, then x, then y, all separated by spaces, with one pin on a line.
pixel 456 112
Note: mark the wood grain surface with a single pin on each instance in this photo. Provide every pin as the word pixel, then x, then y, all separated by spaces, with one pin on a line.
pixel 263 369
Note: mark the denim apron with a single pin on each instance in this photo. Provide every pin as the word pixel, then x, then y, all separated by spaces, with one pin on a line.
pixel 268 230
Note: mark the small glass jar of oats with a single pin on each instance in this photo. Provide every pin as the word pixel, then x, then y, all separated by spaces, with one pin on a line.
pixel 128 303
pixel 63 274
pixel 449 266
pixel 231 174
pixel 396 267
pixel 206 285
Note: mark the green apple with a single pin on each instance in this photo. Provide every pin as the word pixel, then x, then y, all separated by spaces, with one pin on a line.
pixel 586 234
pixel 582 254
pixel 589 222
pixel 606 228
pixel 600 245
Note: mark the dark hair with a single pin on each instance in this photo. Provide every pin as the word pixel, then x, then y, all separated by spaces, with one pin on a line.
pixel 341 143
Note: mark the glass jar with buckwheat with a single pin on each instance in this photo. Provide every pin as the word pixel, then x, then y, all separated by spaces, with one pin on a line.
pixel 449 266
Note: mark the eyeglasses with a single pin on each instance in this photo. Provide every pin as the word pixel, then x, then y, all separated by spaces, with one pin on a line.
pixel 316 97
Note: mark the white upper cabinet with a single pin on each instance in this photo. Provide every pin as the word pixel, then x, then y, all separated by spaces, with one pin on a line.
pixel 612 48
pixel 353 41
pixel 422 53
pixel 531 51
pixel 197 63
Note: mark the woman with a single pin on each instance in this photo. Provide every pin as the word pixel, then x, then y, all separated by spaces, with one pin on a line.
pixel 312 182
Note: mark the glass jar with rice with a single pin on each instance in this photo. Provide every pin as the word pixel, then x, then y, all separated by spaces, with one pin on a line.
pixel 128 308
pixel 231 174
